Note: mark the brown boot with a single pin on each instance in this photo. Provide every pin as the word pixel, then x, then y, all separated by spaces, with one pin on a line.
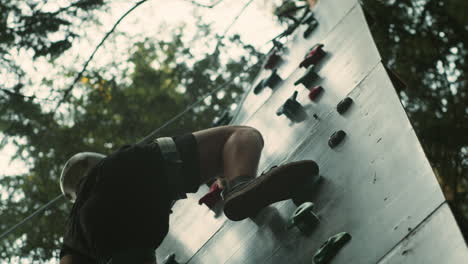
pixel 245 196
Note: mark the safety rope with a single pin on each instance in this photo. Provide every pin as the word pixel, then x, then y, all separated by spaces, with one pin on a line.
pixel 44 207
pixel 91 57
pixel 153 134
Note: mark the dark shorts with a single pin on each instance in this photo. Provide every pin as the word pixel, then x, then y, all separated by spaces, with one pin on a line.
pixel 129 204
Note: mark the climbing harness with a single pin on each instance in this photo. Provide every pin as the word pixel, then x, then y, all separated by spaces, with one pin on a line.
pixel 172 167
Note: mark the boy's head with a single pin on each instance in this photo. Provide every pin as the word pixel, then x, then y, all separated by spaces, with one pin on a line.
pixel 75 169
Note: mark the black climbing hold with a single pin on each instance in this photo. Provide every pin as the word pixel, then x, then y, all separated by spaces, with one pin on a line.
pixel 308 78
pixel 222 120
pixel 312 25
pixel 330 248
pixel 170 259
pixel 273 80
pixel 289 30
pixel 304 218
pixel 276 44
pixel 315 92
pixel 309 18
pixel 336 138
pixel 292 109
pixel 259 87
pixel 287 9
pixel 315 54
pixel 272 60
pixel 344 105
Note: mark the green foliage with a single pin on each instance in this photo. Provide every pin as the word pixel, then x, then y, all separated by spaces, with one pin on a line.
pixel 114 107
pixel 25 25
pixel 426 42
pixel 289 10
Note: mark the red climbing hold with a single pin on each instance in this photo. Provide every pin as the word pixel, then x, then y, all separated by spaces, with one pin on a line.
pixel 212 197
pixel 272 60
pixel 314 92
pixel 316 53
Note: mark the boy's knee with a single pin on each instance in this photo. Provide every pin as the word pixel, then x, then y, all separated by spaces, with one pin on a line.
pixel 254 133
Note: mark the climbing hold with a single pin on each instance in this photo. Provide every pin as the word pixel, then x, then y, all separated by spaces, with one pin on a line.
pixel 304 218
pixel 292 109
pixel 331 247
pixel 277 45
pixel 315 54
pixel 313 23
pixel 309 18
pixel 286 9
pixel 272 60
pixel 314 92
pixel 170 259
pixel 212 197
pixel 336 138
pixel 289 30
pixel 308 78
pixel 222 120
pixel 344 105
pixel 271 82
pixel 259 87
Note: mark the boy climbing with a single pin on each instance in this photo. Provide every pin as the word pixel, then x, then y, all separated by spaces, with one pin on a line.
pixel 122 201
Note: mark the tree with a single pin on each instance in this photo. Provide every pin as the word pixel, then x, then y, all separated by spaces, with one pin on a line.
pixel 40 28
pixel 117 105
pixel 26 26
pixel 426 42
pixel 29 25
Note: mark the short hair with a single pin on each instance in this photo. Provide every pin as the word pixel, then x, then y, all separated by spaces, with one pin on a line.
pixel 75 169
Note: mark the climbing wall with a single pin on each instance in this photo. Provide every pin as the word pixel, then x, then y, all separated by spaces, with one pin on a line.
pixel 376 183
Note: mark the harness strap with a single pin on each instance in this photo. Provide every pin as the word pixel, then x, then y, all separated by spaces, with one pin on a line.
pixel 172 166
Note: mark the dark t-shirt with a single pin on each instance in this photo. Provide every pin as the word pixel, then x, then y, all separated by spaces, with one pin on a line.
pixel 123 202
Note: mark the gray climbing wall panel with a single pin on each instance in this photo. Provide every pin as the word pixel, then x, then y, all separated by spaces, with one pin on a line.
pixel 329 14
pixel 377 184
pixel 437 240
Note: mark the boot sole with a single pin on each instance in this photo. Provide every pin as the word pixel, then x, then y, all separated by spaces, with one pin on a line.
pixel 277 185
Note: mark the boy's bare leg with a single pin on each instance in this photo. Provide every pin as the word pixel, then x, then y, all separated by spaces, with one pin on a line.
pixel 237 150
pixel 230 151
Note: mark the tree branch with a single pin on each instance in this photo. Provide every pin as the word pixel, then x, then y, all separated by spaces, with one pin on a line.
pixel 204 5
pixel 85 66
pixel 24 96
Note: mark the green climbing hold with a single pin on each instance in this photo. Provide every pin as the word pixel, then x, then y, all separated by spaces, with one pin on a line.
pixel 170 259
pixel 309 77
pixel 330 248
pixel 304 218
